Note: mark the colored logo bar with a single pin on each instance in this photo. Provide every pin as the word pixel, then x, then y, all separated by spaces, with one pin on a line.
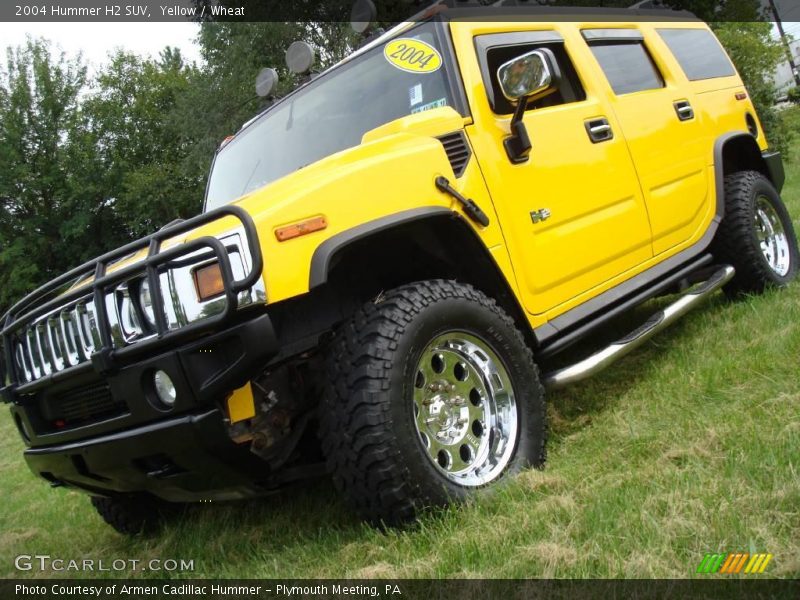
pixel 734 562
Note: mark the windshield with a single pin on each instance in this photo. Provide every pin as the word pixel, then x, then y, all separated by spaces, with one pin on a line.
pixel 332 114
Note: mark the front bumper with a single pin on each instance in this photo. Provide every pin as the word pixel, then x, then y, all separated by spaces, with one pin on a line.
pixel 180 454
pixel 182 459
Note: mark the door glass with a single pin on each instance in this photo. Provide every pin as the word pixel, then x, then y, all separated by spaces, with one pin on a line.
pixel 627 66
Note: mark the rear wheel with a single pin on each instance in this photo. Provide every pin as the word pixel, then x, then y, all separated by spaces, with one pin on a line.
pixel 756 235
pixel 433 397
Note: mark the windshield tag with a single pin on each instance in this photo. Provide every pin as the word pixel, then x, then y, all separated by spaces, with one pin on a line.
pixel 413 56
pixel 415 94
pixel 429 106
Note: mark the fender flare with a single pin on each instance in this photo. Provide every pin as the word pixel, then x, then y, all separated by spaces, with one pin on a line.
pixel 323 255
pixel 769 164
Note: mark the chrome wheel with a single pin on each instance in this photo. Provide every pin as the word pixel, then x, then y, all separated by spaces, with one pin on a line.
pixel 465 409
pixel 772 237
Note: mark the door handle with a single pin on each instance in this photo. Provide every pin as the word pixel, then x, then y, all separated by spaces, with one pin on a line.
pixel 684 110
pixel 599 130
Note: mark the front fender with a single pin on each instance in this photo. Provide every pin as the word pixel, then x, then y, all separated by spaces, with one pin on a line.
pixel 390 176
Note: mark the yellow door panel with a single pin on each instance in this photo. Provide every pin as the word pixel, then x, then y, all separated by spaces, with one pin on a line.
pixel 671 161
pixel 572 250
pixel 597 226
pixel 677 208
pixel 669 153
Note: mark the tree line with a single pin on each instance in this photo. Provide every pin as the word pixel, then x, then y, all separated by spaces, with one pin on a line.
pixel 90 162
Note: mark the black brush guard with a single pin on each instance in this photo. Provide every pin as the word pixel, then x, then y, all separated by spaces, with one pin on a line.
pixel 37 304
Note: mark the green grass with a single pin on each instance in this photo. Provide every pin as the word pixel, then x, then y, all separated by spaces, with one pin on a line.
pixel 689 445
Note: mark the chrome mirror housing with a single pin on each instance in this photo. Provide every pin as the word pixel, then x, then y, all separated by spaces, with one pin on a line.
pixel 525 76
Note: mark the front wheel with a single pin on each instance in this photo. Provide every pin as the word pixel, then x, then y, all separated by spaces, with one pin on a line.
pixel 130 514
pixel 433 396
pixel 756 235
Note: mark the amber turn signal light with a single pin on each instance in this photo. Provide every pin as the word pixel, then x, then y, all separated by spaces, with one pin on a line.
pixel 208 281
pixel 302 228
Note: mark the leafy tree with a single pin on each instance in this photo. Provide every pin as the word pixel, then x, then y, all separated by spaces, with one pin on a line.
pixel 139 148
pixel 87 167
pixel 39 149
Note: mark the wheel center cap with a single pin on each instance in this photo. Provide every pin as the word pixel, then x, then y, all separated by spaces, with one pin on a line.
pixel 446 418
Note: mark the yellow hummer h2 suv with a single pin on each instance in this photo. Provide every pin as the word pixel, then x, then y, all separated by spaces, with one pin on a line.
pixel 385 256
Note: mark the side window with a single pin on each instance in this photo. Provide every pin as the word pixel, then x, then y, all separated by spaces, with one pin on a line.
pixel 698 52
pixel 496 49
pixel 625 61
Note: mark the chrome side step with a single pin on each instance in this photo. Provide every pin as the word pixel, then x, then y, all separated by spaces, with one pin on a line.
pixel 660 320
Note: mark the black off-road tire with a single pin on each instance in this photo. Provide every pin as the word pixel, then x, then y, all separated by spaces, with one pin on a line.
pixel 368 432
pixel 132 514
pixel 736 242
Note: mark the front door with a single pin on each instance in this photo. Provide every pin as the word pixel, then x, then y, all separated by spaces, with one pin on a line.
pixel 572 215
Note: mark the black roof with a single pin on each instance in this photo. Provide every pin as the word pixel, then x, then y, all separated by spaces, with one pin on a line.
pixel 528 10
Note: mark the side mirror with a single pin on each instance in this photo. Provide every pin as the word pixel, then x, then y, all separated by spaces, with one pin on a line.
pixel 526 77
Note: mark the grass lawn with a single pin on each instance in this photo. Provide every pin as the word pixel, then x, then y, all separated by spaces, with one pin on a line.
pixel 689 445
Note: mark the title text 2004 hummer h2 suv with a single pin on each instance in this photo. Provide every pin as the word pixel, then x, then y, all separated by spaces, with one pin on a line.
pixel 385 256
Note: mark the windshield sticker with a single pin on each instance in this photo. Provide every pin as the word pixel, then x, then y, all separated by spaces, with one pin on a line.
pixel 430 105
pixel 413 56
pixel 415 94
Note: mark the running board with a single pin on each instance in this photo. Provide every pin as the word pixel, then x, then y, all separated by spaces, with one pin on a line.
pixel 660 320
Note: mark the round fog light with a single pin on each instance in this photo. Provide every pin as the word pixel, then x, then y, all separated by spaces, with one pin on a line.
pixel 165 389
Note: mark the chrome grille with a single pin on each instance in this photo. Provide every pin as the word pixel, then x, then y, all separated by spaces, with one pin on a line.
pixel 70 335
pixel 62 339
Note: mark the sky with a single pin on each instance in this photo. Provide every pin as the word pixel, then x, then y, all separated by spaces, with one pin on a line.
pixel 96 40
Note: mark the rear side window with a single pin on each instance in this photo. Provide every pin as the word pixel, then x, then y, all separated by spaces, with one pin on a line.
pixel 627 66
pixel 698 52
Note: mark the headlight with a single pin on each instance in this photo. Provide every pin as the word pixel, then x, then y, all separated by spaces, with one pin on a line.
pixel 146 302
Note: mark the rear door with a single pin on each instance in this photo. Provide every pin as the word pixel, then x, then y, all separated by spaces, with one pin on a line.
pixel 658 116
